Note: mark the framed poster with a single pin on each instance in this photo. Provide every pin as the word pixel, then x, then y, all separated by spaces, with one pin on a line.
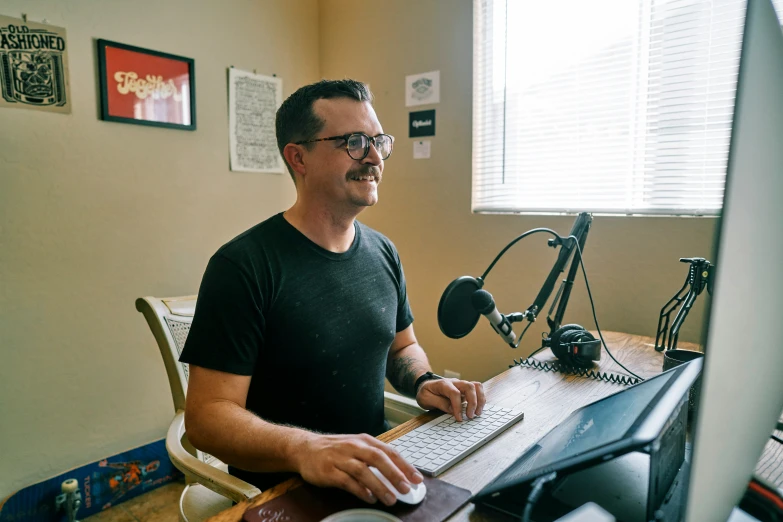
pixel 146 87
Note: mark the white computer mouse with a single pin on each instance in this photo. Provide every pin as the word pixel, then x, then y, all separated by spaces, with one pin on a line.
pixel 414 496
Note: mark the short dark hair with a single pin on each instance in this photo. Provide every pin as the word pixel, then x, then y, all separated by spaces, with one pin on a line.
pixel 296 121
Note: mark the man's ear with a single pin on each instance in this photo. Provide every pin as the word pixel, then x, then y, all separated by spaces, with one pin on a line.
pixel 294 156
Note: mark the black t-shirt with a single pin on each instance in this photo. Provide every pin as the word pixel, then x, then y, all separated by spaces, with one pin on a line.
pixel 312 327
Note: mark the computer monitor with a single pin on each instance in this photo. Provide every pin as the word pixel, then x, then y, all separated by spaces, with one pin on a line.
pixel 742 393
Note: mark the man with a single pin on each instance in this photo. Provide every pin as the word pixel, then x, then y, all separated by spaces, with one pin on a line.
pixel 300 318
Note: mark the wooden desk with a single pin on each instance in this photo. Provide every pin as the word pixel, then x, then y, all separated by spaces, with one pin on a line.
pixel 546 398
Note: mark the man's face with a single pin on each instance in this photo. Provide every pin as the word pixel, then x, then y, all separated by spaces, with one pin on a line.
pixel 332 175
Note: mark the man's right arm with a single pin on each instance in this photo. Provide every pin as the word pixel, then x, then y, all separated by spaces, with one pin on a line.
pixel 218 423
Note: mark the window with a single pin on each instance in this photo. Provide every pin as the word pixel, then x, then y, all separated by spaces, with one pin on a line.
pixel 608 106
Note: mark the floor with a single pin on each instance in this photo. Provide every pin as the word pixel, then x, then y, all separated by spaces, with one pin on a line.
pixel 159 505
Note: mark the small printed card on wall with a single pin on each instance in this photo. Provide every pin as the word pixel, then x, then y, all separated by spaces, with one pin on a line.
pixel 422 89
pixel 421 149
pixel 146 87
pixel 33 66
pixel 421 123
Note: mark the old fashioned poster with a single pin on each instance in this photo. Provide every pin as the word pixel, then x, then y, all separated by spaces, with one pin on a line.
pixel 253 100
pixel 33 66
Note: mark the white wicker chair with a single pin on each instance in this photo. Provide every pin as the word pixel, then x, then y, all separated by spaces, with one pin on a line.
pixel 210 488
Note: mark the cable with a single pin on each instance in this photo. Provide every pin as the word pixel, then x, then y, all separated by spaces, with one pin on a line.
pixel 532 354
pixel 592 306
pixel 559 367
pixel 482 279
pixel 523 334
pixel 535 494
pixel 528 233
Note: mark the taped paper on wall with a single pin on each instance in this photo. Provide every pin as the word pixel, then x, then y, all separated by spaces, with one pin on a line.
pixel 421 149
pixel 253 100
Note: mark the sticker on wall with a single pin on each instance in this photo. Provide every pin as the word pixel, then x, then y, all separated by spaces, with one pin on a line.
pixel 421 149
pixel 33 66
pixel 421 123
pixel 422 89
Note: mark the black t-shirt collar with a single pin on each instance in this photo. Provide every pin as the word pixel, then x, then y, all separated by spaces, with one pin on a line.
pixel 336 256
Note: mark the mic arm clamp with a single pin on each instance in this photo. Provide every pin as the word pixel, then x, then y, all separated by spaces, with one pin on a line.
pixel 516 317
pixel 555 242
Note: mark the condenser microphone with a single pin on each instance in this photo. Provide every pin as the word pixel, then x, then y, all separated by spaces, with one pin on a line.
pixel 484 304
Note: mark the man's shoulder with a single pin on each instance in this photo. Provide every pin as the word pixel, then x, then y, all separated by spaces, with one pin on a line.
pixel 252 241
pixel 371 234
pixel 377 240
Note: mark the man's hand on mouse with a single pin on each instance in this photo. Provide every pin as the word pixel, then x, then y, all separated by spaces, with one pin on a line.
pixel 447 395
pixel 343 461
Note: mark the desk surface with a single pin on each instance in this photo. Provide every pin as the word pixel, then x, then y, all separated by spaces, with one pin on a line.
pixel 546 398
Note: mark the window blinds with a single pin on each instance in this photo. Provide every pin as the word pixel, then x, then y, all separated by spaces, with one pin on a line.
pixel 610 106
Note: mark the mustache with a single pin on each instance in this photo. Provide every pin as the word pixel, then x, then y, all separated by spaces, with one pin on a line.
pixel 367 170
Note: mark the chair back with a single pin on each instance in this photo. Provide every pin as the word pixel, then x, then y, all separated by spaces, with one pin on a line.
pixel 169 319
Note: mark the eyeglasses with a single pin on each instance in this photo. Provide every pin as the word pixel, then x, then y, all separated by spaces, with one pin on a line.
pixel 357 144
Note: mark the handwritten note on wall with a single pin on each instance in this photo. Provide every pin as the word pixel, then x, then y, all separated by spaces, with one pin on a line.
pixel 253 100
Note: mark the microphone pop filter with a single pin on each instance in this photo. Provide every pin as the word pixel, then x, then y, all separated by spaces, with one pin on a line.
pixel 456 315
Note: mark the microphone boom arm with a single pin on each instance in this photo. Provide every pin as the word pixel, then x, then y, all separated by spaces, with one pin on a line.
pixel 580 231
pixel 578 234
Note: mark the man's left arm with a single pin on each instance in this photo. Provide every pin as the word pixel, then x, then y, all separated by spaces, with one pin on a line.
pixel 407 362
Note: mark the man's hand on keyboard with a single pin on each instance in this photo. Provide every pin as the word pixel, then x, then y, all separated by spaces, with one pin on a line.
pixel 447 395
pixel 343 461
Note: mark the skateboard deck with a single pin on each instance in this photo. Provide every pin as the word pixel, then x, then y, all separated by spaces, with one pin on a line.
pixel 102 484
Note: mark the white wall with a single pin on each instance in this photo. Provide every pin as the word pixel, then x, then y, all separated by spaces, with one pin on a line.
pixel 94 214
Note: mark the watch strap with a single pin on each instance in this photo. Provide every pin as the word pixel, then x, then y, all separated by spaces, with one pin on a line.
pixel 427 376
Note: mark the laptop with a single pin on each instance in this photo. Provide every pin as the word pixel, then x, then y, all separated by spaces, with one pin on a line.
pixel 649 417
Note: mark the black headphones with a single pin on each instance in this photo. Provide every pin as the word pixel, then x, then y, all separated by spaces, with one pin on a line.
pixel 574 345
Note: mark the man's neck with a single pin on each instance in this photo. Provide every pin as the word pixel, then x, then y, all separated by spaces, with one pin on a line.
pixel 327 229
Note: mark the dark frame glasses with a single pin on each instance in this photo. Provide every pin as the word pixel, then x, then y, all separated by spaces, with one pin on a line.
pixel 362 147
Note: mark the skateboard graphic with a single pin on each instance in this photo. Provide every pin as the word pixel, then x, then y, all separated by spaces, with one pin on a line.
pixel 101 484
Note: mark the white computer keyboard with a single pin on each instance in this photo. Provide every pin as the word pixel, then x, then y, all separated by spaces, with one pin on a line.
pixel 436 446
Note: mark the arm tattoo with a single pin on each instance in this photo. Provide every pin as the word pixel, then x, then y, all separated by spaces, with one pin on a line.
pixel 402 374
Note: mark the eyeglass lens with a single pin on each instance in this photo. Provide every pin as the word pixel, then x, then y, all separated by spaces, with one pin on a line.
pixel 359 146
